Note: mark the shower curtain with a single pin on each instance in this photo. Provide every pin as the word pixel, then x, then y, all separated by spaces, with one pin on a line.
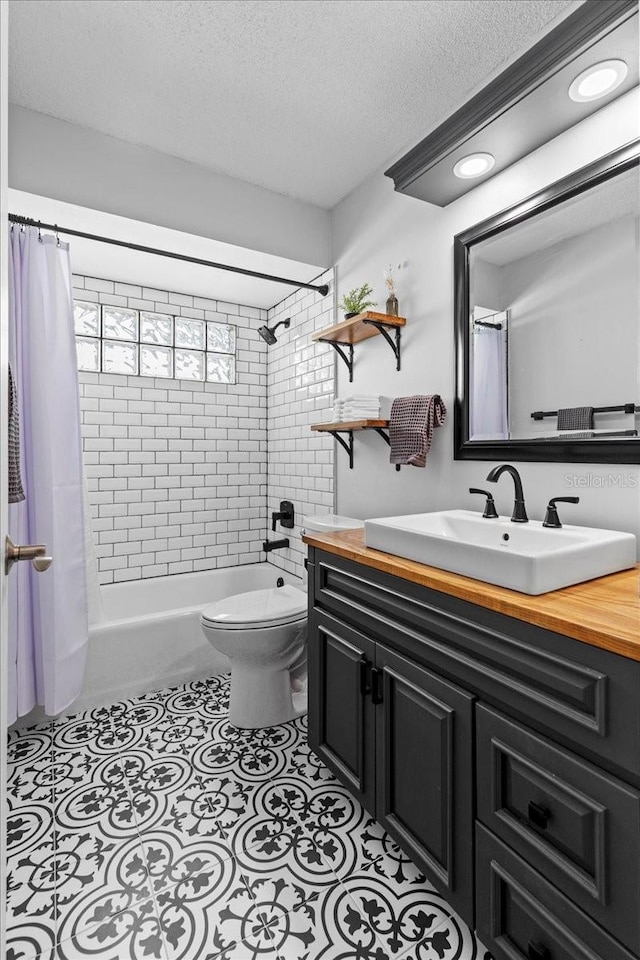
pixel 489 384
pixel 48 622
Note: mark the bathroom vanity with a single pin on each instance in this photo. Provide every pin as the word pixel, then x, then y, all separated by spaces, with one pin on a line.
pixel 495 735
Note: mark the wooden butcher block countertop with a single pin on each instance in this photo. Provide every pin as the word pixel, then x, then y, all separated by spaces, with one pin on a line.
pixel 604 612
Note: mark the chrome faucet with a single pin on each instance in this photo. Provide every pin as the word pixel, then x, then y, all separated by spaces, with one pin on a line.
pixel 519 510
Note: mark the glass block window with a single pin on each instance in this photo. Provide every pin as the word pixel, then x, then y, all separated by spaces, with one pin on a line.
pixel 88 353
pixel 190 334
pixel 156 328
pixel 189 365
pixel 156 361
pixel 221 338
pixel 221 368
pixel 87 318
pixel 119 357
pixel 119 324
pixel 141 343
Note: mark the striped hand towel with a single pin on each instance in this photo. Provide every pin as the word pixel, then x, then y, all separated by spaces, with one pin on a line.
pixel 16 491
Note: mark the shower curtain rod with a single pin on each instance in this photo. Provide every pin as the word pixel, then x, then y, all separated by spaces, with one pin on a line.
pixel 28 222
pixel 483 323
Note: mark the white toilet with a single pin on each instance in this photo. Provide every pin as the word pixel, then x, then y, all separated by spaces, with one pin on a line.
pixel 264 635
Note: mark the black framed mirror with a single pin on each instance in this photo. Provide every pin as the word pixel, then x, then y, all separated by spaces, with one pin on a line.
pixel 547 330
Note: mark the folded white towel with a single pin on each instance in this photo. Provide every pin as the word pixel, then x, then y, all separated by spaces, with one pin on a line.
pixel 357 407
pixel 374 411
pixel 349 414
pixel 362 398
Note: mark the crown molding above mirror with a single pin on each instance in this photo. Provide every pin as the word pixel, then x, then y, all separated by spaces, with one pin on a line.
pixel 532 258
pixel 527 105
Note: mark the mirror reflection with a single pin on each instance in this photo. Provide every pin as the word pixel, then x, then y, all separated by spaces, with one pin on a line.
pixel 554 321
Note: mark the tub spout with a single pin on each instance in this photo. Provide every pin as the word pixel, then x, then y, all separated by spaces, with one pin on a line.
pixel 270 545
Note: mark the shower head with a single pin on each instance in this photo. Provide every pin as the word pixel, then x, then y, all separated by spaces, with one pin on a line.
pixel 268 334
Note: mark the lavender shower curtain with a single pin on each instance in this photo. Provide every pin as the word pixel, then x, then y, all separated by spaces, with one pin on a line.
pixel 48 623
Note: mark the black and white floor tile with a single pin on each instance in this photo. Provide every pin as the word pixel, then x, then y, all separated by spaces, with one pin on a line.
pixel 155 829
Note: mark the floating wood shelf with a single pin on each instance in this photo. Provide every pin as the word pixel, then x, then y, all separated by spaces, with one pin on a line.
pixel 362 327
pixel 347 426
pixel 358 328
pixel 350 427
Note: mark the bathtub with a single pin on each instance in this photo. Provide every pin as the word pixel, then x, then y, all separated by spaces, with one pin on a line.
pixel 150 636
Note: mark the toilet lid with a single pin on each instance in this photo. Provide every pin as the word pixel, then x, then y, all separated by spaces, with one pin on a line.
pixel 272 607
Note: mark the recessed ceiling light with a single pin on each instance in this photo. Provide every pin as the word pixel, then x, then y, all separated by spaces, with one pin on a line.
pixel 474 165
pixel 598 80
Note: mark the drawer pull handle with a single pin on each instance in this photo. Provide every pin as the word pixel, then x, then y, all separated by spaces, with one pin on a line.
pixel 538 815
pixel 365 674
pixel 376 693
pixel 538 951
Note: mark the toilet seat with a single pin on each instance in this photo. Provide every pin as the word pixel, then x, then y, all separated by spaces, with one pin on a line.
pixel 256 609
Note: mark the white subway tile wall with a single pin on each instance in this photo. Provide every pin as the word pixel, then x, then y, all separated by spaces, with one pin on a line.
pixel 301 383
pixel 177 469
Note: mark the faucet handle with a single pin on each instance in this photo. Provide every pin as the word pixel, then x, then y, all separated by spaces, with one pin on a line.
pixel 286 516
pixel 490 511
pixel 551 518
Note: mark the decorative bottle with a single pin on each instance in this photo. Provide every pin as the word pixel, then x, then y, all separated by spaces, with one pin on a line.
pixel 392 305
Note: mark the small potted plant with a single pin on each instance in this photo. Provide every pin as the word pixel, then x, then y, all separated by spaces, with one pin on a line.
pixel 356 301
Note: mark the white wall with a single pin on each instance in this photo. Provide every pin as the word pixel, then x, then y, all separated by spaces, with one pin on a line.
pixel 485 286
pixel 576 301
pixel 52 158
pixel 176 469
pixel 300 392
pixel 375 226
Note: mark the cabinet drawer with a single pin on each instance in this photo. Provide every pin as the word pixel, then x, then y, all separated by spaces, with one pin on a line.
pixel 583 696
pixel 522 917
pixel 577 825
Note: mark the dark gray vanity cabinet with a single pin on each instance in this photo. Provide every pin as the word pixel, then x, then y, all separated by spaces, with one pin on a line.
pixel 502 757
pixel 341 715
pixel 424 771
pixel 579 827
pixel 401 739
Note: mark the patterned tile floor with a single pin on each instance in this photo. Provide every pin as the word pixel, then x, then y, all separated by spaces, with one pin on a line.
pixel 154 828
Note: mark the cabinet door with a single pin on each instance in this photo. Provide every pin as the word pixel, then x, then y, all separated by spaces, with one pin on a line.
pixel 341 713
pixel 424 771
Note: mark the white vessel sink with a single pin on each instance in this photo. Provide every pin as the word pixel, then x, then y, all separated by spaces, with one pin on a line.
pixel 522 556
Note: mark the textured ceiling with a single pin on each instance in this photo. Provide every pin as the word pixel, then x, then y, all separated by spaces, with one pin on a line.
pixel 304 98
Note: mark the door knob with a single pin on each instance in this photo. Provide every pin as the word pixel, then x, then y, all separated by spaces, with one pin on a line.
pixel 35 552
